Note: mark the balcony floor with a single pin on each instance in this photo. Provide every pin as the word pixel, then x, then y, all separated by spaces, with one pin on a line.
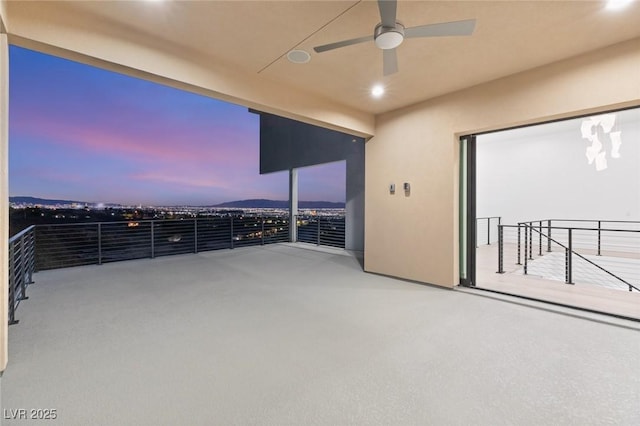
pixel 281 335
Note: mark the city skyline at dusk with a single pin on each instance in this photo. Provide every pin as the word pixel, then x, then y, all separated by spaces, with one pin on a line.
pixel 79 132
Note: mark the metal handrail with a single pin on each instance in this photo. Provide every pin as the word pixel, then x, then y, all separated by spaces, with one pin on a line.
pixel 21 268
pixel 599 229
pixel 64 245
pixel 591 220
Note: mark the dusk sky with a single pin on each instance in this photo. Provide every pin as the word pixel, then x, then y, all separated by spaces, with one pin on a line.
pixel 81 133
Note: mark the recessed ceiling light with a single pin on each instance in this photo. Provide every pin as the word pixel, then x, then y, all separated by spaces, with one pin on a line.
pixel 298 57
pixel 618 4
pixel 377 91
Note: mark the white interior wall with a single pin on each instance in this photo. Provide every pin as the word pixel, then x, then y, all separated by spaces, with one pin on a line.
pixel 542 172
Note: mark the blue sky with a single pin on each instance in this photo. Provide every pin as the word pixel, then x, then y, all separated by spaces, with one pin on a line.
pixel 81 133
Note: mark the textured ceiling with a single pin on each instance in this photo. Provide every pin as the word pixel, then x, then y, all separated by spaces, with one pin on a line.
pixel 510 36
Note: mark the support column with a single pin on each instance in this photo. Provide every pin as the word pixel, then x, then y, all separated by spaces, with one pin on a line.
pixel 293 205
pixel 4 197
pixel 354 208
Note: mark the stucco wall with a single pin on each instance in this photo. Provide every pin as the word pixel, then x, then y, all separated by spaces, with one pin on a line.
pixel 4 199
pixel 416 236
pixel 3 16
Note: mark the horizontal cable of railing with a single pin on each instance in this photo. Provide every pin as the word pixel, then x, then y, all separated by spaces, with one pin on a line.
pixel 21 268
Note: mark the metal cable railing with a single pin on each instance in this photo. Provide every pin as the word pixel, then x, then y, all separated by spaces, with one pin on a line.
pixel 65 245
pixel 77 244
pixel 528 240
pixel 21 268
pixel 321 230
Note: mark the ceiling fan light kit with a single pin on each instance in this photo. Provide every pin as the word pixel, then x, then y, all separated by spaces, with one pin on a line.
pixel 390 33
pixel 388 37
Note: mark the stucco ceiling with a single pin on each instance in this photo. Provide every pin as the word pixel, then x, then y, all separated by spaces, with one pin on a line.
pixel 254 37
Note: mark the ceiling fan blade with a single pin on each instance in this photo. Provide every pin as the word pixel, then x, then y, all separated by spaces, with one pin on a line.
pixel 388 12
pixel 444 29
pixel 389 62
pixel 339 44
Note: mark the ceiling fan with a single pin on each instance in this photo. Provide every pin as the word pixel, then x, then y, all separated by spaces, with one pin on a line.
pixel 390 33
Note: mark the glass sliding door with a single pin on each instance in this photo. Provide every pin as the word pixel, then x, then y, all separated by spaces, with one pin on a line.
pixel 553 212
pixel 467 211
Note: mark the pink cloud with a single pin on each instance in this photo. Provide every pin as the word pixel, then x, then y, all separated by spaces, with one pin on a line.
pixel 148 145
pixel 192 181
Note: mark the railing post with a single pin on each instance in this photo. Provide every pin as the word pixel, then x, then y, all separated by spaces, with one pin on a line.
pixel 153 240
pixel 35 245
pixel 231 245
pixel 540 238
pixel 195 235
pixel 32 255
pixel 261 229
pixel 23 269
pixel 12 308
pixel 549 235
pixel 530 240
pixel 500 250
pixel 318 236
pixel 599 228
pixel 568 260
pixel 12 290
pixel 526 244
pixel 519 263
pixel 488 231
pixel 99 244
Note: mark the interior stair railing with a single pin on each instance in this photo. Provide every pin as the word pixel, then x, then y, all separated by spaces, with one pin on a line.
pixel 544 229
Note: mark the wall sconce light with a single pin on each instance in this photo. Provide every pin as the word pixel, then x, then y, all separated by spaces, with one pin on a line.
pixel 407 188
pixel 392 188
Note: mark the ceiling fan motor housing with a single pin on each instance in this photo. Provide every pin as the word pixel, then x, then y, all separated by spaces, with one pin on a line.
pixel 388 37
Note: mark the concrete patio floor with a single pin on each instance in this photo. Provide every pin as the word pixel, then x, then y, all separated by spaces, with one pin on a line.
pixel 280 335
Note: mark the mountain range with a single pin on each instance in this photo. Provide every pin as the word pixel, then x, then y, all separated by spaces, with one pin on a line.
pixel 240 204
pixel 42 201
